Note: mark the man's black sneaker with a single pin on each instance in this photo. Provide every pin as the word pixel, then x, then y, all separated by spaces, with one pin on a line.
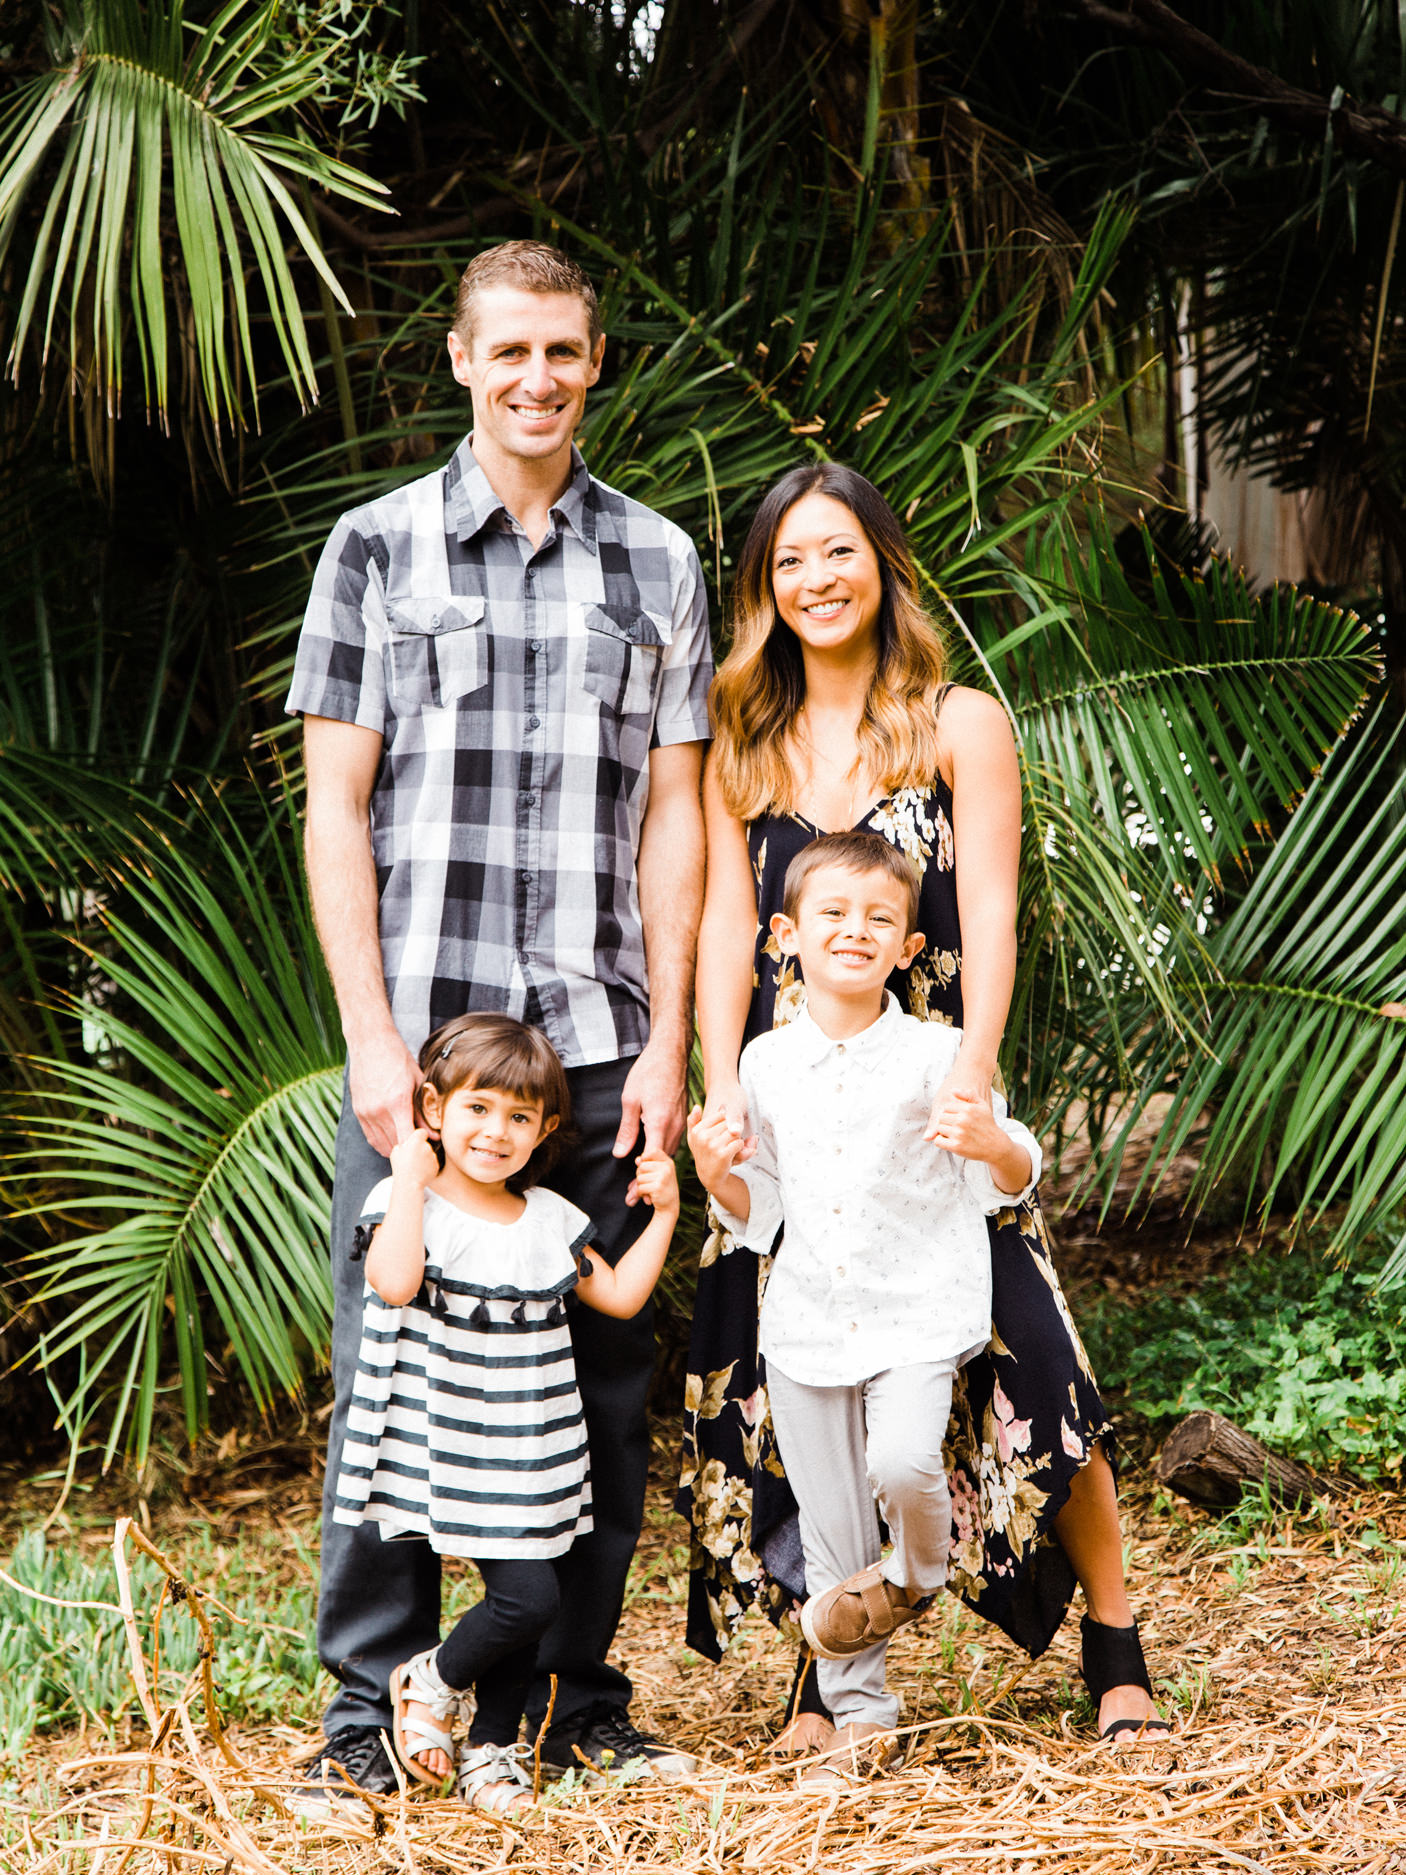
pixel 352 1760
pixel 605 1737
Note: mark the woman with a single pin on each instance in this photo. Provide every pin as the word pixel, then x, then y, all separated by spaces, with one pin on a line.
pixel 831 712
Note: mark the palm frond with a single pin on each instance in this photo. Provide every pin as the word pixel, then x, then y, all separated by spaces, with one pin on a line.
pixel 193 1146
pixel 1304 1075
pixel 143 116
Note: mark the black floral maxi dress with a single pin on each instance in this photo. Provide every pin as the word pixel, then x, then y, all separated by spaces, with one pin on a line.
pixel 1026 1414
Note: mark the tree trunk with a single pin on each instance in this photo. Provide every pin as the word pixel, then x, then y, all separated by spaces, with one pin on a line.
pixel 1210 1461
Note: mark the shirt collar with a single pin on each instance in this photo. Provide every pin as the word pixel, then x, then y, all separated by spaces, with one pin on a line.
pixel 869 1049
pixel 470 502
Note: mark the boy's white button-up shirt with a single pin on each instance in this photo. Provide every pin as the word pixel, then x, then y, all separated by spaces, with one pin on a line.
pixel 886 1260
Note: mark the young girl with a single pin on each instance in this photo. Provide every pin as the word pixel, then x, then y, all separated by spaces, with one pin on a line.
pixel 466 1426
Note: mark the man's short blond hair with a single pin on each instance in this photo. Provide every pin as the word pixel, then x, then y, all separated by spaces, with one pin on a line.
pixel 532 267
pixel 857 852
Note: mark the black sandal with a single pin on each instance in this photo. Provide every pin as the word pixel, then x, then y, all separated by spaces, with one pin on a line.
pixel 1112 1657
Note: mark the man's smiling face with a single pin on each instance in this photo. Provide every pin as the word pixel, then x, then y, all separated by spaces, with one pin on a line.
pixel 527 370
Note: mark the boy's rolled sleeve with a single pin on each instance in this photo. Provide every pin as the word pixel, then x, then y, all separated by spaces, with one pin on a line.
pixel 758 1233
pixel 339 670
pixel 980 1182
pixel 759 1174
pixel 682 711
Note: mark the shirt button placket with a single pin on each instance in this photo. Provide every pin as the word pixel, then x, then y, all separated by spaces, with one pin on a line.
pixel 529 788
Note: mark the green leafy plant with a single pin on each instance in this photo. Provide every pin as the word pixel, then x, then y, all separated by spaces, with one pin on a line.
pixel 192 1144
pixel 64 1653
pixel 1309 1359
pixel 164 152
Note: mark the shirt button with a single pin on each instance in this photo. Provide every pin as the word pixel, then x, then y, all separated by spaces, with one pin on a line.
pixel 839 1048
pixel 526 877
pixel 533 722
pixel 854 1327
pixel 535 646
pixel 837 1210
pixel 839 1269
pixel 527 799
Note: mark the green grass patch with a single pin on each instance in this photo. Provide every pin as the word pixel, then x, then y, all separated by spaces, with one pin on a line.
pixel 1309 1359
pixel 61 1666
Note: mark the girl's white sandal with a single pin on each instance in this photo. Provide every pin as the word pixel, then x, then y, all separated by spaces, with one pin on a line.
pixel 418 1679
pixel 493 1777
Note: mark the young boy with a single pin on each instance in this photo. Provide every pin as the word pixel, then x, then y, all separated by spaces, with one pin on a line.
pixel 883 1285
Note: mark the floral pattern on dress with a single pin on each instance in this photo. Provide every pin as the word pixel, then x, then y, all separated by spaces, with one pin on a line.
pixel 1026 1412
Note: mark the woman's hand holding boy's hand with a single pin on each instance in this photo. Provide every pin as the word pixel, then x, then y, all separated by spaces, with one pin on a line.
pixel 414 1159
pixel 726 1101
pixel 963 1123
pixel 968 1078
pixel 657 1183
pixel 716 1146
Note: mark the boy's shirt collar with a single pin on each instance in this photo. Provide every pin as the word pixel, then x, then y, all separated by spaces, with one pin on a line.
pixel 868 1049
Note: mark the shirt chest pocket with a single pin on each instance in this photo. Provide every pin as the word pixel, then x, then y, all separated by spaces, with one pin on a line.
pixel 437 651
pixel 624 652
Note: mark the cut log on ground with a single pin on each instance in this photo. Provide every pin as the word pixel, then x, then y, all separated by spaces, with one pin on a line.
pixel 1210 1460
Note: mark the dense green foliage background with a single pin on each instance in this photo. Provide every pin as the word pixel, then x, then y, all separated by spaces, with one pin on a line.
pixel 953 246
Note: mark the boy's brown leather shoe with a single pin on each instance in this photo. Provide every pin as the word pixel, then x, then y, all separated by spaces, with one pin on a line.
pixel 858 1613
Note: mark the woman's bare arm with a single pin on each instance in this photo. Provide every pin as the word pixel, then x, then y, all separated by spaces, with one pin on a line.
pixel 726 949
pixel 979 761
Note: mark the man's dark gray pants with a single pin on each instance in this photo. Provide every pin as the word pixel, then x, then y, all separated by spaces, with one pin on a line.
pixel 379 1602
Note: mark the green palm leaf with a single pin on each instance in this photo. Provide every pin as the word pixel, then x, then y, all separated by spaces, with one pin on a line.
pixel 1196 710
pixel 195 1152
pixel 142 110
pixel 1305 1016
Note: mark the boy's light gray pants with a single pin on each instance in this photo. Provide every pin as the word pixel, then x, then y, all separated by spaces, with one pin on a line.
pixel 843 1447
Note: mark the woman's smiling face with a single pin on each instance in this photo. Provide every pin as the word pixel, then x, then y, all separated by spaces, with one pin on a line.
pixel 825 577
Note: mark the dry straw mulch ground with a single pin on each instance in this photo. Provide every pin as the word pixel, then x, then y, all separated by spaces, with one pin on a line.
pixel 1282 1659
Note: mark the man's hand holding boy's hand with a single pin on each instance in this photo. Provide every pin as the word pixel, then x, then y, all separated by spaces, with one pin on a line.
pixel 657 1183
pixel 716 1146
pixel 414 1159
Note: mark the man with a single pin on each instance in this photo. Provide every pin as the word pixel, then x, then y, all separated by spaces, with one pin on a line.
pixel 502 674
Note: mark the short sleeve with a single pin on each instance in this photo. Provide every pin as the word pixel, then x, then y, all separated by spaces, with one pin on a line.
pixel 377 1200
pixel 569 1224
pixel 682 711
pixel 339 670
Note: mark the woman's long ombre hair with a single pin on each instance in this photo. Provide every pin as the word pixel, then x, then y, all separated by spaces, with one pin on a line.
pixel 761 684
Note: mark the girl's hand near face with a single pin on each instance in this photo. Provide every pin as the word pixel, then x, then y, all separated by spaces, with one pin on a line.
pixel 414 1159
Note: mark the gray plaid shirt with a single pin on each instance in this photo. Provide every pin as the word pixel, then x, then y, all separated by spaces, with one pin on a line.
pixel 519 693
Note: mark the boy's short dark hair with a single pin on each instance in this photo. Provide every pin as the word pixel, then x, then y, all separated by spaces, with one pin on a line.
pixel 853 852
pixel 489 1050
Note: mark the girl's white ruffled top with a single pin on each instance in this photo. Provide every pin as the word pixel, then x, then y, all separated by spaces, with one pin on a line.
pixel 465 1424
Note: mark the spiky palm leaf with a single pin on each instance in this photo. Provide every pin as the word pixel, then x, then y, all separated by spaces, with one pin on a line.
pixel 1304 1072
pixel 165 155
pixel 193 1150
